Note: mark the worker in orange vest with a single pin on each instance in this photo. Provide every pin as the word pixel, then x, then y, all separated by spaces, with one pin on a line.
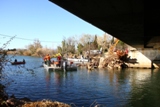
pixel 59 60
pixel 48 59
pixel 45 59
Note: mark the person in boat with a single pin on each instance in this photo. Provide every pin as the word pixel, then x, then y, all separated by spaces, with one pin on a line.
pixel 52 61
pixel 15 60
pixel 48 59
pixel 59 60
pixel 45 59
pixel 24 61
pixel 71 63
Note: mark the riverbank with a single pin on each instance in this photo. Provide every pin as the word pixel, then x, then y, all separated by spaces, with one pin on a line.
pixel 12 101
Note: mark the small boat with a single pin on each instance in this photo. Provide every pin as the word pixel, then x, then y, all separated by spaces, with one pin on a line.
pixel 77 60
pixel 18 63
pixel 56 68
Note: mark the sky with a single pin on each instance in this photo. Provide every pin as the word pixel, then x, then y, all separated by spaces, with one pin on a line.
pixel 28 20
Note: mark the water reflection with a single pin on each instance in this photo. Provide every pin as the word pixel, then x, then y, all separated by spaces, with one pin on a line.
pixel 110 88
pixel 48 78
pixel 58 77
pixel 133 87
pixel 145 88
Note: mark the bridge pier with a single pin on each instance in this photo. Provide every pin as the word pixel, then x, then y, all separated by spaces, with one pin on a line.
pixel 146 58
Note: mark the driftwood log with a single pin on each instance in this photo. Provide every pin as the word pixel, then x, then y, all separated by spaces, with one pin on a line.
pixel 94 63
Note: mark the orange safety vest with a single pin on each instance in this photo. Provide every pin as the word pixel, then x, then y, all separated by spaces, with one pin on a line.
pixel 48 57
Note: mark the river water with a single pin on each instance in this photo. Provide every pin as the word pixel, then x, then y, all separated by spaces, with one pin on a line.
pixel 107 88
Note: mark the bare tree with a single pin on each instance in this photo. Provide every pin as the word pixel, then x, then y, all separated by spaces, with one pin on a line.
pixel 3 55
pixel 104 41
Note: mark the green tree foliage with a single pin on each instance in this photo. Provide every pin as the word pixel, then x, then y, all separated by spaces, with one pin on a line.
pixel 59 49
pixel 68 45
pixel 86 40
pixel 72 45
pixel 121 45
pixel 80 48
pixel 64 46
pixel 95 44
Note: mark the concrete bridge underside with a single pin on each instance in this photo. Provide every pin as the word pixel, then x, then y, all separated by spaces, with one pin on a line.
pixel 134 22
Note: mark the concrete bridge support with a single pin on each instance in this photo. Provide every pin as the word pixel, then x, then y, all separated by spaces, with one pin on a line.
pixel 146 58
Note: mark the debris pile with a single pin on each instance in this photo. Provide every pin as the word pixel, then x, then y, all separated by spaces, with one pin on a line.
pixel 111 61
